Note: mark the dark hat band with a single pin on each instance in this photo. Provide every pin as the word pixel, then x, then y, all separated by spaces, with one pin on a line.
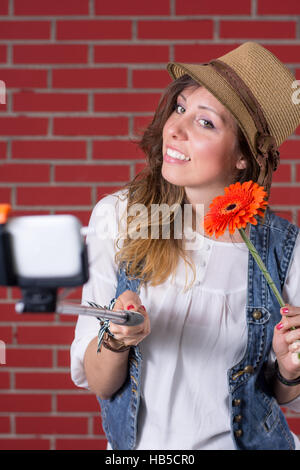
pixel 265 143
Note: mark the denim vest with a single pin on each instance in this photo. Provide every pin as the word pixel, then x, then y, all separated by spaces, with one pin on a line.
pixel 257 422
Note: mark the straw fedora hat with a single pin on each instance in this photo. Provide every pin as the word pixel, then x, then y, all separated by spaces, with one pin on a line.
pixel 258 91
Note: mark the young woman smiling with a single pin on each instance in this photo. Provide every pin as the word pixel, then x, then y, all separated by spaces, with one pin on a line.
pixel 214 358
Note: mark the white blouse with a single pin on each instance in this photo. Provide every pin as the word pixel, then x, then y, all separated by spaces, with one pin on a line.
pixel 196 335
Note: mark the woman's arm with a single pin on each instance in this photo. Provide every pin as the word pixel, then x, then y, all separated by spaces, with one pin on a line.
pixel 106 371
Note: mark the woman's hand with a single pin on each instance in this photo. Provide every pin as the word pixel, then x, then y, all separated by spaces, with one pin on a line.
pixel 286 342
pixel 130 335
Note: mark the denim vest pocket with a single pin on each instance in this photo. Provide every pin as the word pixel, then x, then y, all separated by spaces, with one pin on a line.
pixel 258 315
pixel 271 418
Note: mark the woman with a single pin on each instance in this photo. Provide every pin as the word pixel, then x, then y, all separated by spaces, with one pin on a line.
pixel 200 372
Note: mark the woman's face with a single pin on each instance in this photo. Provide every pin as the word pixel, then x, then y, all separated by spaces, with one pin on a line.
pixel 199 142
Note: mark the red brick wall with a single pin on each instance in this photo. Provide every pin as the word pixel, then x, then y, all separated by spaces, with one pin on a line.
pixel 83 77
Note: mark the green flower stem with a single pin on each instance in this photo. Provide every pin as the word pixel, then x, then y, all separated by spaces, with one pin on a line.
pixel 262 266
pixel 264 270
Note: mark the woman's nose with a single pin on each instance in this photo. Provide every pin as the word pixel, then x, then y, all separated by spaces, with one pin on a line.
pixel 178 130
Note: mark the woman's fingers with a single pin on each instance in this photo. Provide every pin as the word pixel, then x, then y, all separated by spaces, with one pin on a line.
pixel 130 335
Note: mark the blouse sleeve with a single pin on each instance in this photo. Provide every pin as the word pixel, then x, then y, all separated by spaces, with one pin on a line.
pixel 101 286
pixel 291 295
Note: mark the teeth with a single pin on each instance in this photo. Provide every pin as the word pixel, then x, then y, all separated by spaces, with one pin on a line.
pixel 174 154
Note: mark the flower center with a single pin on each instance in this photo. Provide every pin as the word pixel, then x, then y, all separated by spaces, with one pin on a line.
pixel 231 207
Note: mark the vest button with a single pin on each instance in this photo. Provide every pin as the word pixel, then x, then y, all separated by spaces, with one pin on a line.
pixel 236 402
pixel 238 418
pixel 238 433
pixel 257 315
pixel 249 370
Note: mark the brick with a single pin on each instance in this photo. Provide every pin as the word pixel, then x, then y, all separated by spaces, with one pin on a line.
pixel 285 196
pixel 9 314
pixel 269 7
pixel 49 149
pixel 3 149
pixel 258 29
pixel 116 149
pixel 55 7
pixel 12 443
pixel 24 29
pixel 63 358
pixel 283 174
pixel 218 7
pixel 6 333
pixel 93 29
pixel 50 54
pixel 24 78
pixel 3 290
pixel 19 402
pixel 150 78
pixel 43 381
pixel 104 191
pixel 86 402
pixel 91 173
pixel 4 425
pixel 23 126
pixel 45 335
pixel 3 107
pixel 138 167
pixel 90 78
pixel 5 195
pixel 10 172
pixel 140 124
pixel 286 53
pixel 53 102
pixel 4 7
pixel 81 444
pixel 132 8
pixel 285 215
pixel 21 357
pixel 201 52
pixel 131 54
pixel 127 102
pixel 54 196
pixel 91 126
pixel 51 425
pixel 290 149
pixel 3 53
pixel 298 173
pixel 186 29
pixel 97 426
pixel 294 425
pixel 4 376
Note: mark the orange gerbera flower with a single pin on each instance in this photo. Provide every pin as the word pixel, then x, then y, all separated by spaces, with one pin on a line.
pixel 236 208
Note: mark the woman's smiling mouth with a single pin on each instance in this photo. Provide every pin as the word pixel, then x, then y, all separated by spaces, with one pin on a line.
pixel 174 156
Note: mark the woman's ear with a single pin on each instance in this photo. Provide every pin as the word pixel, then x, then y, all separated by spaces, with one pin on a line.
pixel 241 163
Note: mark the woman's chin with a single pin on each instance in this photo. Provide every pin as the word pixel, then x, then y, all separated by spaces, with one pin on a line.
pixel 173 177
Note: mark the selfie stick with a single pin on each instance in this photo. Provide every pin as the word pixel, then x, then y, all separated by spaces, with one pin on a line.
pixel 120 317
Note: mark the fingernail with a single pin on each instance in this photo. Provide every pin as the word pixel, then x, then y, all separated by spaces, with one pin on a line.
pixel 285 310
pixel 130 307
pixel 279 326
pixel 142 306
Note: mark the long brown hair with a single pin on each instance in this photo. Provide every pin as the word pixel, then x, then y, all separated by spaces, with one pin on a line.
pixel 154 260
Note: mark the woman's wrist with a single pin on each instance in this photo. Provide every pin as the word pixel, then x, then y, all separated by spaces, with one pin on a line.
pixel 113 344
pixel 285 377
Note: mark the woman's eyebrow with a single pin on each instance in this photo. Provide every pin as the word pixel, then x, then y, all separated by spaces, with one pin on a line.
pixel 207 107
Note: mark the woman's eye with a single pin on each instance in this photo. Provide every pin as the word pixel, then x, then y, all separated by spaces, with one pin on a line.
pixel 179 109
pixel 207 122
